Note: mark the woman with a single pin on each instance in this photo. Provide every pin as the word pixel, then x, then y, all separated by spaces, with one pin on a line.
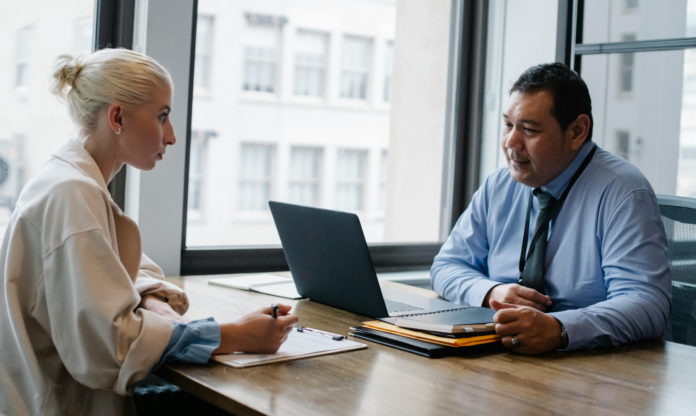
pixel 85 313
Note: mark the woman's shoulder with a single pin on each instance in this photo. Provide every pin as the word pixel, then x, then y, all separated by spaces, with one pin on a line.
pixel 62 196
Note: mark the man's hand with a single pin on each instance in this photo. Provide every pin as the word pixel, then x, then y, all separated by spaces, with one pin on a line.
pixel 536 332
pixel 517 295
pixel 257 332
pixel 155 304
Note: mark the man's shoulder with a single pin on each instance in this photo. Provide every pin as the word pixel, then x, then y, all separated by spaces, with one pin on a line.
pixel 612 171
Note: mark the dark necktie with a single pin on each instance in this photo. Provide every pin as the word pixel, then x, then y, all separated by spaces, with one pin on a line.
pixel 536 261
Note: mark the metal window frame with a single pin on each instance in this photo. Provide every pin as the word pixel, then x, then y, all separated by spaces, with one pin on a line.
pixel 460 172
pixel 113 25
pixel 652 45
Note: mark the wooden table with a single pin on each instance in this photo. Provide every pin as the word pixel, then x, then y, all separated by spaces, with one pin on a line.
pixel 652 377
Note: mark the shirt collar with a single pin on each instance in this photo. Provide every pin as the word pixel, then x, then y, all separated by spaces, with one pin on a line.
pixel 75 154
pixel 558 185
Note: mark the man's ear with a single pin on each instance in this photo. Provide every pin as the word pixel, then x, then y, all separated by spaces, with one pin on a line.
pixel 577 131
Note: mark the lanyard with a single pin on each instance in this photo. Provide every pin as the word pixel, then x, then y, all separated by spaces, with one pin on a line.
pixel 556 209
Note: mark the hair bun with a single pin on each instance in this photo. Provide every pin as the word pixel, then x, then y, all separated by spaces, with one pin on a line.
pixel 65 71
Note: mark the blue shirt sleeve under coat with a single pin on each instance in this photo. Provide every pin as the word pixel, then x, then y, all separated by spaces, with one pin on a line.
pixel 193 342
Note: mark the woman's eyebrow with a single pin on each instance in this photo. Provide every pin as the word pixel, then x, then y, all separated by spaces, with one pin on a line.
pixel 166 107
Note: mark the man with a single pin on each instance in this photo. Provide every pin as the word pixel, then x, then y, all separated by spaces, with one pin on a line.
pixel 597 273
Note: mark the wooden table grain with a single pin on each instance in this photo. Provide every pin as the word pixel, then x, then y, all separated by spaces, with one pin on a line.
pixel 649 378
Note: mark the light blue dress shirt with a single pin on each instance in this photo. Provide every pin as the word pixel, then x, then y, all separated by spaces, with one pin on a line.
pixel 193 342
pixel 607 265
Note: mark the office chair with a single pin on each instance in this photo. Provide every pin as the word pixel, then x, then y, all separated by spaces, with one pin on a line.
pixel 679 218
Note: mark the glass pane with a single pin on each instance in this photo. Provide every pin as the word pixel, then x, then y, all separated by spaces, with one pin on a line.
pixel 609 20
pixel 508 55
pixel 33 123
pixel 644 108
pixel 299 111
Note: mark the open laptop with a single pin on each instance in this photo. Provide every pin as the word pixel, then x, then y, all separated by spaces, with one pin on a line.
pixel 331 264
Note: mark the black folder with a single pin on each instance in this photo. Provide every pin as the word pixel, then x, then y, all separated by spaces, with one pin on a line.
pixel 423 348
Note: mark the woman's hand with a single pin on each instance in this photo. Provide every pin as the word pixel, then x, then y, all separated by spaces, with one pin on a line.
pixel 257 332
pixel 155 304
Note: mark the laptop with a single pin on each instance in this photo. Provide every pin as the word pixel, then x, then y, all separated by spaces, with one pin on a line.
pixel 331 264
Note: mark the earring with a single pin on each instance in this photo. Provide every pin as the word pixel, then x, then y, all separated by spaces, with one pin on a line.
pixel 118 132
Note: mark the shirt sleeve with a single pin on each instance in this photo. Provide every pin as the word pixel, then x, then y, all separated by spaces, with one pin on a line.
pixel 193 342
pixel 460 271
pixel 635 263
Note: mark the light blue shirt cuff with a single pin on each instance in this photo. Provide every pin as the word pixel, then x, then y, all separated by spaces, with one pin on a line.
pixel 193 342
pixel 479 290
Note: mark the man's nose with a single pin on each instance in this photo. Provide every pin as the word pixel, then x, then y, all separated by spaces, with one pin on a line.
pixel 513 140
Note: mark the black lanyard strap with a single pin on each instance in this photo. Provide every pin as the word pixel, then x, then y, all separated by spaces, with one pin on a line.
pixel 554 213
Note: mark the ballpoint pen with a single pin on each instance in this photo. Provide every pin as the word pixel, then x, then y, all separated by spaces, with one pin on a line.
pixel 335 337
pixel 274 310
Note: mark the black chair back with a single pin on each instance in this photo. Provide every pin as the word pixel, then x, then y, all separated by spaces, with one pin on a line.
pixel 679 218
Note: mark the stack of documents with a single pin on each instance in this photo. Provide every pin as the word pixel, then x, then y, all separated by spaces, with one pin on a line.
pixel 263 283
pixel 424 343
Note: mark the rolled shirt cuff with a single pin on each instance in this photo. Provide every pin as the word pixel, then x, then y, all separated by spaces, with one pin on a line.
pixel 477 293
pixel 193 342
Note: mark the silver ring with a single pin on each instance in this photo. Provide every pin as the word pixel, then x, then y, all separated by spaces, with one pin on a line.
pixel 515 342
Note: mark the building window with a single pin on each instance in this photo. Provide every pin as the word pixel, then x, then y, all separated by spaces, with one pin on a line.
pixel 383 181
pixel 255 177
pixel 626 64
pixel 310 63
pixel 388 70
pixel 261 52
pixel 350 180
pixel 204 35
pixel 356 67
pixel 631 5
pixel 304 176
pixel 83 36
pixel 623 144
pixel 23 55
pixel 197 157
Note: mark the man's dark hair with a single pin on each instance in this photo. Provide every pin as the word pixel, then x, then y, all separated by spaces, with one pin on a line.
pixel 570 94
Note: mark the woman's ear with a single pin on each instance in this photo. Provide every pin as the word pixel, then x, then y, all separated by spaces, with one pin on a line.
pixel 115 117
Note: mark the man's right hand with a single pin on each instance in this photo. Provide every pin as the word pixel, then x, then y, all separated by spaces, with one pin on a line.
pixel 257 332
pixel 518 295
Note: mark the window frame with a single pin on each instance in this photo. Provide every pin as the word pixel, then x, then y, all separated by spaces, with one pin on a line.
pixel 460 173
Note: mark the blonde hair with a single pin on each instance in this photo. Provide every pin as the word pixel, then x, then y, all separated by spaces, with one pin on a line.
pixel 105 77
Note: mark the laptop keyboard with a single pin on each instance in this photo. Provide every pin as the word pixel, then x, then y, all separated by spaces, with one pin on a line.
pixel 397 307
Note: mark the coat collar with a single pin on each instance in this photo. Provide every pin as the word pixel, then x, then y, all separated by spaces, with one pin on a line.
pixel 75 154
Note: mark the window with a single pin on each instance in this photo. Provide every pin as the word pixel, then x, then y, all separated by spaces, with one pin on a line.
pixel 261 47
pixel 197 163
pixel 350 178
pixel 626 67
pixel 204 35
pixel 255 177
pixel 310 63
pixel 654 80
pixel 622 146
pixel 289 131
pixel 83 36
pixel 631 5
pixel 304 176
pixel 356 67
pixel 383 181
pixel 23 55
pixel 389 63
pixel 33 123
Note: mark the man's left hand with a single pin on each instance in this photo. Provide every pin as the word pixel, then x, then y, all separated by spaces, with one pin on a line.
pixel 536 331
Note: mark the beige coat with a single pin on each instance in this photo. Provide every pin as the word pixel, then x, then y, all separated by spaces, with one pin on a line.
pixel 72 274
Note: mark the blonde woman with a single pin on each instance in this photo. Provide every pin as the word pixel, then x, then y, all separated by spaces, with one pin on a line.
pixel 84 314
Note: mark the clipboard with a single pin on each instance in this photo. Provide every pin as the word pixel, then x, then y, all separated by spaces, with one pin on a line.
pixel 299 345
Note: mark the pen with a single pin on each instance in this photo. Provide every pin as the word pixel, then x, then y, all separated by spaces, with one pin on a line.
pixel 274 310
pixel 335 337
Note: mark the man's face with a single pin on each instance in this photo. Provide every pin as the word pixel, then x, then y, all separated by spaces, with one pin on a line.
pixel 536 149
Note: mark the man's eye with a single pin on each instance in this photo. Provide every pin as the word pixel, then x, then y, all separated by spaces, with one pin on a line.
pixel 531 131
